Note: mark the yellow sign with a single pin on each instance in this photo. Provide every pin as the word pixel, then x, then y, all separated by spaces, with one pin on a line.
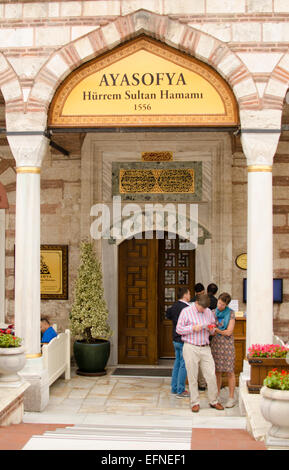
pixel 53 271
pixel 143 83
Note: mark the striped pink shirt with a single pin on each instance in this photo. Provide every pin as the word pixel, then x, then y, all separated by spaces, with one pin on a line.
pixel 190 317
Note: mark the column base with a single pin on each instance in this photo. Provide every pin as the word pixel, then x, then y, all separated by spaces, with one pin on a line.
pixel 36 398
pixel 275 443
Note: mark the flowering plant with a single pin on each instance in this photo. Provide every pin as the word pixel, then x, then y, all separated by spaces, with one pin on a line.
pixel 278 380
pixel 268 350
pixel 8 340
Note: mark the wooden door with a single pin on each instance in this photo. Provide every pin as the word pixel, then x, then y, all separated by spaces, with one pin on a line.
pixel 176 269
pixel 137 329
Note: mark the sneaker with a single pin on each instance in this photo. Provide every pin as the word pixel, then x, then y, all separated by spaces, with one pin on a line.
pixel 230 403
pixel 184 394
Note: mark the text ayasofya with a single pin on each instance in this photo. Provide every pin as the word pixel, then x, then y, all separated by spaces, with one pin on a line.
pixel 148 78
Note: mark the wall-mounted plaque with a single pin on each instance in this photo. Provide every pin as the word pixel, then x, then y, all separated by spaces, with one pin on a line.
pixel 157 181
pixel 54 271
pixel 157 156
pixel 173 180
pixel 241 261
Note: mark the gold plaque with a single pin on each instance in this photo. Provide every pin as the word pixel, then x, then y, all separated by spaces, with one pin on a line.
pixel 167 181
pixel 157 156
pixel 241 261
pixel 143 83
pixel 54 271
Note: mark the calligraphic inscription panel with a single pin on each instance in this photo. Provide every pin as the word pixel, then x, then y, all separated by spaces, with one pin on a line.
pixel 157 181
pixel 161 181
pixel 157 156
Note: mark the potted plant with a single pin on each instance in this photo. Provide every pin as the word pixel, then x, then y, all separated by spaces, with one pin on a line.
pixel 275 402
pixel 89 316
pixel 12 358
pixel 262 358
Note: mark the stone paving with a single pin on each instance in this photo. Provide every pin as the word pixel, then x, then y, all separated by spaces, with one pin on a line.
pixel 114 412
pixel 85 399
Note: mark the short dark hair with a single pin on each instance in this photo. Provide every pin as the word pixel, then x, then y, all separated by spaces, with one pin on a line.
pixel 199 287
pixel 45 319
pixel 225 297
pixel 203 300
pixel 212 289
pixel 182 291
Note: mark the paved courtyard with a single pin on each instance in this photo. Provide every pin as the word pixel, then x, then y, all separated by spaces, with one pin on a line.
pixel 113 412
pixel 86 399
pixel 126 413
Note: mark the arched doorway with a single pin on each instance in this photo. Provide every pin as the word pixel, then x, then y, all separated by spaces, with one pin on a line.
pixel 150 273
pixel 136 103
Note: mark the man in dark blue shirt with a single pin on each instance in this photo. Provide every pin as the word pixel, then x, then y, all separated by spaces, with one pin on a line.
pixel 179 374
pixel 47 332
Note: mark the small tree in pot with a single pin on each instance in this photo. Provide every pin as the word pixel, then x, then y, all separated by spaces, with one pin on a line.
pixel 89 315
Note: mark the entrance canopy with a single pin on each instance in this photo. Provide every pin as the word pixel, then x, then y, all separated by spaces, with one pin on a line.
pixel 143 83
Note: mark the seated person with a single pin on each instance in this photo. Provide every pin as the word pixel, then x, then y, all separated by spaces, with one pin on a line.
pixel 47 332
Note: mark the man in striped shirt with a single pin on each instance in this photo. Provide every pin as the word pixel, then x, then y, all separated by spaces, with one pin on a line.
pixel 193 325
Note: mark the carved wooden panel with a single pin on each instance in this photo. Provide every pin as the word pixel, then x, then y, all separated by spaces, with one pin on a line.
pixel 176 269
pixel 137 302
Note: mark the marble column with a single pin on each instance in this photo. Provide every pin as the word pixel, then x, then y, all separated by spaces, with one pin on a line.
pixel 3 206
pixel 28 152
pixel 259 150
pixel 2 266
pixel 27 258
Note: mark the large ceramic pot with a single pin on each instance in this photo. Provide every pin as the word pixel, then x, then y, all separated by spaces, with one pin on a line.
pixel 12 360
pixel 91 358
pixel 275 409
pixel 260 368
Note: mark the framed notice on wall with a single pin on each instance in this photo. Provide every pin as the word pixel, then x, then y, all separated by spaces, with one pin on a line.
pixel 54 271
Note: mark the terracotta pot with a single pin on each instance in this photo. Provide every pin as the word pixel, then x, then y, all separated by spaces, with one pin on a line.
pixel 260 368
pixel 12 360
pixel 275 409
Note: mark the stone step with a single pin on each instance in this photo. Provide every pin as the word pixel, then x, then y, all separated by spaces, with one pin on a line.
pixel 122 437
pixel 109 438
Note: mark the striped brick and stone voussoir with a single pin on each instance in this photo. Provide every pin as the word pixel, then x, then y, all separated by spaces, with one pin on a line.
pixel 170 31
pixel 67 34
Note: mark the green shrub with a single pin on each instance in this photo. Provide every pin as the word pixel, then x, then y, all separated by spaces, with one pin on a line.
pixel 89 313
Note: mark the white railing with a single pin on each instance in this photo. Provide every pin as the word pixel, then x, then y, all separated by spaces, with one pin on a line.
pixel 56 356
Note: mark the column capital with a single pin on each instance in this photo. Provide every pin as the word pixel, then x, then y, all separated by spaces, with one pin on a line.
pixel 28 151
pixel 25 134
pixel 259 149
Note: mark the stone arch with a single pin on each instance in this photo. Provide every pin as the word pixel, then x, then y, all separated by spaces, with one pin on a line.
pixel 203 231
pixel 10 87
pixel 170 31
pixel 277 85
